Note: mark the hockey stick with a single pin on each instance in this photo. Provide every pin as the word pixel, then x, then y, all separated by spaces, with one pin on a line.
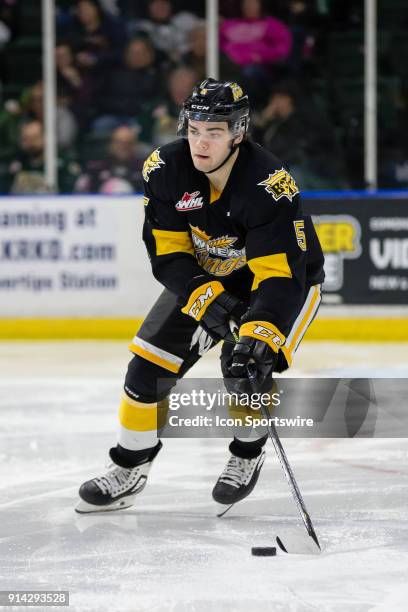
pixel 292 542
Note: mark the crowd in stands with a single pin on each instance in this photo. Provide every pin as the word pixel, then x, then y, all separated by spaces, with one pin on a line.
pixel 124 68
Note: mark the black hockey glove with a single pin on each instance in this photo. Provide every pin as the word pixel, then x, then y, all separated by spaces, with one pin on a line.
pixel 262 358
pixel 216 319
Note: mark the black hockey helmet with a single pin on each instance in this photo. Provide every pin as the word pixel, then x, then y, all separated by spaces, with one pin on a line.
pixel 213 100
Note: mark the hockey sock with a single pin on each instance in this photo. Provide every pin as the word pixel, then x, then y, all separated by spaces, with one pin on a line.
pixel 128 459
pixel 247 450
pixel 140 423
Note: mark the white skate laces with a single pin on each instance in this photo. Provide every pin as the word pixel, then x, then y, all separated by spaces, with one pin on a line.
pixel 117 480
pixel 238 471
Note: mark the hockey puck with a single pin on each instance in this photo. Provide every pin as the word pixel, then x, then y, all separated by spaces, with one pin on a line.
pixel 263 551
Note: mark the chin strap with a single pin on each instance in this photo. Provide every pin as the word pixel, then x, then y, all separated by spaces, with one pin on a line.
pixel 233 148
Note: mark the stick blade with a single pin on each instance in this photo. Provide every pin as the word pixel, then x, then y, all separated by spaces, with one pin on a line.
pixel 298 544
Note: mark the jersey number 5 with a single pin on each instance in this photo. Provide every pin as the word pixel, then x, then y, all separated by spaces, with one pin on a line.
pixel 300 234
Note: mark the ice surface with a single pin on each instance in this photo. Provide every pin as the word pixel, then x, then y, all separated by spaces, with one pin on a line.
pixel 170 552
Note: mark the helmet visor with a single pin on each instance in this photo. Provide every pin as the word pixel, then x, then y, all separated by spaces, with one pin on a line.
pixel 234 128
pixel 201 116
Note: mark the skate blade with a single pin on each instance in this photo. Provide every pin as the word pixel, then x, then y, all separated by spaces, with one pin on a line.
pixel 121 504
pixel 224 510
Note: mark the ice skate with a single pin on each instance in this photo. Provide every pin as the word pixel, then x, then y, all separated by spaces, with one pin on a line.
pixel 115 490
pixel 238 479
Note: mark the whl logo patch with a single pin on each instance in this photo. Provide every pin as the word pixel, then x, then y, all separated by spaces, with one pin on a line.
pixel 190 201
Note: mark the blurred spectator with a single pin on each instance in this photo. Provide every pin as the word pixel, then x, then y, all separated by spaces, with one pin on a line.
pixel 9 20
pixel 196 57
pixel 33 108
pixel 120 171
pixel 96 37
pixel 5 34
pixel 29 107
pixel 255 42
pixel 254 38
pixel 10 118
pixel 129 9
pixel 302 137
pixel 228 9
pixel 180 83
pixel 303 20
pixel 73 84
pixel 129 93
pixel 26 172
pixel 111 6
pixel 198 7
pixel 168 32
pixel 9 26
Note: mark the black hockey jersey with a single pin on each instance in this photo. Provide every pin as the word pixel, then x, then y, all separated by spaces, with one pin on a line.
pixel 251 240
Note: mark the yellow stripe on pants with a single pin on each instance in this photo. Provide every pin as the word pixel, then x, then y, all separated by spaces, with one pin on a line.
pixel 156 359
pixel 301 326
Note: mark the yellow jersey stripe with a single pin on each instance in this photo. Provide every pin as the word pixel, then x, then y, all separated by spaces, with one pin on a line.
pixel 269 266
pixel 168 242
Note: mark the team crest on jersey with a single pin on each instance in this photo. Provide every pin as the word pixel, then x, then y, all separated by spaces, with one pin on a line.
pixel 217 255
pixel 151 164
pixel 280 184
pixel 190 201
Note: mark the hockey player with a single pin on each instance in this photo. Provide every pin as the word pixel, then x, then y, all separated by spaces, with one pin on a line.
pixel 227 238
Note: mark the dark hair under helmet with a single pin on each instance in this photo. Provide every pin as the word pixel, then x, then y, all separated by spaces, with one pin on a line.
pixel 213 100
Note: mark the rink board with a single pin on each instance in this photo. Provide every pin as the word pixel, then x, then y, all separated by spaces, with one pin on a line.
pixel 76 267
pixel 345 329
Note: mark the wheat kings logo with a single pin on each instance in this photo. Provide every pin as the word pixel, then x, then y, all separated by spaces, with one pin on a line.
pixel 280 184
pixel 152 163
pixel 216 255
